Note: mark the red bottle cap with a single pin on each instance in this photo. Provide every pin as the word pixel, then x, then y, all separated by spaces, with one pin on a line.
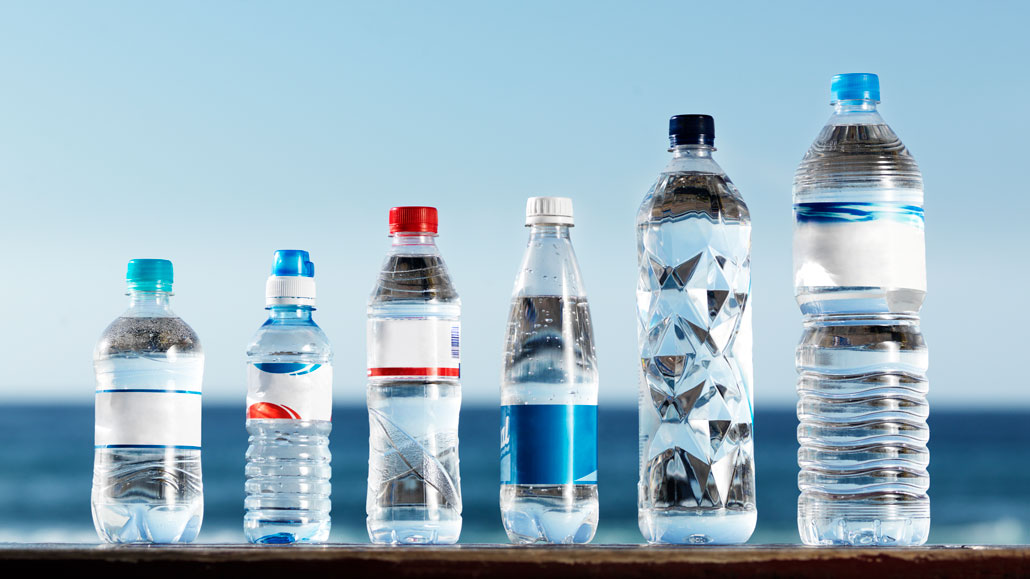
pixel 413 220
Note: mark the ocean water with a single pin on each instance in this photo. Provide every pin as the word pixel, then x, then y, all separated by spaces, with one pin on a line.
pixel 979 475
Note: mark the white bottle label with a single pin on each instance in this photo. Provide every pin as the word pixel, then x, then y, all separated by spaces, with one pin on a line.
pixel 414 347
pixel 143 408
pixel 290 391
pixel 859 244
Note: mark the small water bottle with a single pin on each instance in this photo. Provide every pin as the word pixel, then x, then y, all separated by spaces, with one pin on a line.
pixel 549 390
pixel 414 351
pixel 860 279
pixel 149 366
pixel 289 408
pixel 697 470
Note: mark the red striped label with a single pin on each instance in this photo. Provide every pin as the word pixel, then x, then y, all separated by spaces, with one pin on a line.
pixel 449 372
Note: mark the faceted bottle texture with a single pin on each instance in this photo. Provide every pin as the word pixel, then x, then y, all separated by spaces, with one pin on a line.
pixel 549 399
pixel 288 419
pixel 697 476
pixel 414 397
pixel 147 477
pixel 860 279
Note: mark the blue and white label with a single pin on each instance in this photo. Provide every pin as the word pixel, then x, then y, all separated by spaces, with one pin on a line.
pixel 859 244
pixel 147 403
pixel 290 391
pixel 549 444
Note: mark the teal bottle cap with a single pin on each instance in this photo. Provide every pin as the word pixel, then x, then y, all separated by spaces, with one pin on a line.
pixel 149 275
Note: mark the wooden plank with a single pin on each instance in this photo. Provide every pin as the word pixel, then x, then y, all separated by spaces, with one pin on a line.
pixel 501 562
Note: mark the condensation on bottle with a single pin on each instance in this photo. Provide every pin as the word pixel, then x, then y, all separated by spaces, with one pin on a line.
pixel 549 390
pixel 149 366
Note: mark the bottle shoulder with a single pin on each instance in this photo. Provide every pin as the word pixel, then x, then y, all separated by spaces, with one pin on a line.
pixel 853 156
pixel 138 335
pixel 680 194
pixel 414 278
pixel 286 340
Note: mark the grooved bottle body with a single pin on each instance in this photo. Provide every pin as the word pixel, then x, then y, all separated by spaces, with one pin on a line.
pixel 697 477
pixel 860 280
pixel 414 398
pixel 289 420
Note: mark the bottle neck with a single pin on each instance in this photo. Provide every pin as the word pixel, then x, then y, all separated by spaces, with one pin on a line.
pixel 549 231
pixel 414 243
pixel 854 106
pixel 290 314
pixel 693 159
pixel 692 151
pixel 855 112
pixel 149 304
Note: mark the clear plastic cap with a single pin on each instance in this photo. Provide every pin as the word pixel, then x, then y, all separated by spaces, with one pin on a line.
pixel 549 211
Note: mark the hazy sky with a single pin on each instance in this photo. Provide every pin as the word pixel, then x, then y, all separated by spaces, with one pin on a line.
pixel 213 133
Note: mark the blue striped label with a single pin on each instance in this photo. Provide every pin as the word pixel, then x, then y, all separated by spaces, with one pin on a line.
pixel 849 212
pixel 549 444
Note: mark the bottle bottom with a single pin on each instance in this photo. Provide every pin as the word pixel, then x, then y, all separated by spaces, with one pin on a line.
pixel 121 522
pixel 266 528
pixel 414 526
pixel 834 521
pixel 551 514
pixel 697 526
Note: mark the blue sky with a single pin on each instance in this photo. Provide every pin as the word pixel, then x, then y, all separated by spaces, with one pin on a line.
pixel 213 133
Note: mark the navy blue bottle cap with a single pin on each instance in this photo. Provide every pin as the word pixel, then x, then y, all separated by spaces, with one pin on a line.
pixel 692 130
pixel 855 86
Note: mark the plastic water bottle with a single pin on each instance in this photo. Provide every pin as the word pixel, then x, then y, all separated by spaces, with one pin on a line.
pixel 149 367
pixel 860 279
pixel 414 350
pixel 289 408
pixel 549 390
pixel 697 473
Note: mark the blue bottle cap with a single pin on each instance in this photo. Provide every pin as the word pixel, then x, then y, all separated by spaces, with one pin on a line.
pixel 855 86
pixel 292 262
pixel 150 275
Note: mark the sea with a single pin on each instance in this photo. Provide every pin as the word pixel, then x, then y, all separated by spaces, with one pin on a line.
pixel 979 475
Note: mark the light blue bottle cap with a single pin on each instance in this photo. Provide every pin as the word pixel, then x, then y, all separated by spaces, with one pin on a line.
pixel 855 86
pixel 150 275
pixel 292 262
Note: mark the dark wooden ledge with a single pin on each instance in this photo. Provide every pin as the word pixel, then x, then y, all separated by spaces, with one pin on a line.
pixel 496 561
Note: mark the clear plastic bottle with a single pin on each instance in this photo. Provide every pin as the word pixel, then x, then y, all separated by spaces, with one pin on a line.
pixel 549 390
pixel 860 279
pixel 149 367
pixel 697 473
pixel 289 412
pixel 414 396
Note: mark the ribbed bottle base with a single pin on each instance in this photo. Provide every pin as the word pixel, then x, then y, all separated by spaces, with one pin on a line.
pixel 867 522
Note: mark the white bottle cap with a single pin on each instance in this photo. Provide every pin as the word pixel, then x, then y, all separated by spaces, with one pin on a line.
pixel 290 290
pixel 549 211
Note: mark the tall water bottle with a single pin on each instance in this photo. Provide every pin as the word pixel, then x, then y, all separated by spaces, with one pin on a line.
pixel 149 366
pixel 697 472
pixel 860 279
pixel 414 350
pixel 549 390
pixel 289 408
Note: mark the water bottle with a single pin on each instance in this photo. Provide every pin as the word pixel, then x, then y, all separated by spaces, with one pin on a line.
pixel 414 350
pixel 289 408
pixel 697 472
pixel 860 279
pixel 149 366
pixel 549 390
